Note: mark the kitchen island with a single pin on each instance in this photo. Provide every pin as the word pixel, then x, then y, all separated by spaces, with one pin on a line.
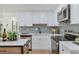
pixel 68 47
pixel 19 46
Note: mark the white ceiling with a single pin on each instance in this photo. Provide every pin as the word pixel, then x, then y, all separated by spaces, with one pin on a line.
pixel 27 7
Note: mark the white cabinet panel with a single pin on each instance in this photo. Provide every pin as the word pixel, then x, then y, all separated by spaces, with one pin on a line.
pixel 40 17
pixel 36 18
pixel 50 19
pixel 63 50
pixel 35 43
pixel 45 43
pixel 44 17
pixel 74 14
pixel 28 19
pixel 20 17
pixel 41 42
pixel 25 18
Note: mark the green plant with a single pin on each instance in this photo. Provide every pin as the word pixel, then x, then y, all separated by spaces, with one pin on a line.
pixel 12 36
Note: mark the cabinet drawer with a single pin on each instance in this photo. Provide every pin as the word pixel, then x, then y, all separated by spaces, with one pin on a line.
pixel 10 50
pixel 63 49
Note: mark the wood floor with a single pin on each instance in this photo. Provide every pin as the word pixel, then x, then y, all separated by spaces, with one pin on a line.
pixel 43 52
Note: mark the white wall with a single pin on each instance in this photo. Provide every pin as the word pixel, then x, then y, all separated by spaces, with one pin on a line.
pixel 6 20
pixel 26 7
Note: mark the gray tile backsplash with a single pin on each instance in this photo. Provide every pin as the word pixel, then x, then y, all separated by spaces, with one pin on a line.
pixel 45 29
pixel 32 30
pixel 24 29
pixel 73 27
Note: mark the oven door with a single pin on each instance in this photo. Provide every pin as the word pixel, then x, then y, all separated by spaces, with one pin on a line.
pixel 55 43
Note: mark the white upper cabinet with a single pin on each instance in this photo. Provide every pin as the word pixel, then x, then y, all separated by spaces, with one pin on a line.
pixel 39 17
pixel 24 18
pixel 28 18
pixel 20 19
pixel 44 17
pixel 1 17
pixel 35 18
pixel 51 20
pixel 74 13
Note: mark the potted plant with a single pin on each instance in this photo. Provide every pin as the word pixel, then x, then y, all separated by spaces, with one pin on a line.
pixel 12 36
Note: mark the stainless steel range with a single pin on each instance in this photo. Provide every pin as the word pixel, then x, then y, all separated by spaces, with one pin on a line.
pixel 55 42
pixel 68 37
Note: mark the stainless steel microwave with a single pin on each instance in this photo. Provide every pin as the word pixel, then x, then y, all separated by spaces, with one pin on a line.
pixel 64 14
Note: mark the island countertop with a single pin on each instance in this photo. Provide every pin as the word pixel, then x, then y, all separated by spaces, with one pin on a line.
pixel 19 42
pixel 70 46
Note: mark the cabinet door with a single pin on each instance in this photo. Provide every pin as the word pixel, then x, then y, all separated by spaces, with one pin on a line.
pixel 43 17
pixel 35 43
pixel 36 18
pixel 45 43
pixel 63 50
pixel 50 19
pixel 25 19
pixel 20 17
pixel 40 17
pixel 74 14
pixel 41 42
pixel 28 18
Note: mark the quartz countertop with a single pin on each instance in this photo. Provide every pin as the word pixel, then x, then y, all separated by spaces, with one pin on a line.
pixel 70 45
pixel 44 34
pixel 19 42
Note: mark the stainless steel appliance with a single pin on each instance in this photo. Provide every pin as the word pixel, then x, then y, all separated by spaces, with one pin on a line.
pixel 68 37
pixel 56 40
pixel 64 14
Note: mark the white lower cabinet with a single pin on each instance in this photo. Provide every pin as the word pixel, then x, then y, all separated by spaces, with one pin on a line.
pixel 63 50
pixel 35 43
pixel 41 42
